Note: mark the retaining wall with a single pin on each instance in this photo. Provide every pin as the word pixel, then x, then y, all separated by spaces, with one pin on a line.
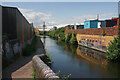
pixel 41 70
pixel 109 31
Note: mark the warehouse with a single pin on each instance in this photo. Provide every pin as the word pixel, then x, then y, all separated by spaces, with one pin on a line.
pixel 15 25
pixel 17 32
pixel 114 22
pixel 94 24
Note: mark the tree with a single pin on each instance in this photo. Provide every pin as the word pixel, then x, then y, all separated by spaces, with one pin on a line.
pixel 103 33
pixel 73 40
pixel 68 37
pixel 113 52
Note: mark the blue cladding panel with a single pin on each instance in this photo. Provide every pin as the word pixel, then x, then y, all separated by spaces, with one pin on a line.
pixel 103 24
pixel 86 24
pixel 93 24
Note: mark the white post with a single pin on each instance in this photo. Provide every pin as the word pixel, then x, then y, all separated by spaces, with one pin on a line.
pixel 75 26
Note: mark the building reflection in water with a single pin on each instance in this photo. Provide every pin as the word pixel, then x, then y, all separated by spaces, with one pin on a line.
pixel 92 56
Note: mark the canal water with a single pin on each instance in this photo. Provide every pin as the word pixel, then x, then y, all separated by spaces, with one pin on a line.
pixel 79 61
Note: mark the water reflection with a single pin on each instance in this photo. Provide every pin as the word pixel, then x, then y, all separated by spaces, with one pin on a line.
pixel 92 56
pixel 80 61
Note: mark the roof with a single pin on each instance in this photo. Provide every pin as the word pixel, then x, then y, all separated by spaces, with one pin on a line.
pixel 95 20
pixel 112 19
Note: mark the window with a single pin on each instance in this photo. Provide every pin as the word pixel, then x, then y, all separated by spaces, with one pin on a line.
pixel 96 41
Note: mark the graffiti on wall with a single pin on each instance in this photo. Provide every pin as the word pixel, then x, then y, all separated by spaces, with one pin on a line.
pixel 8 50
pixel 16 48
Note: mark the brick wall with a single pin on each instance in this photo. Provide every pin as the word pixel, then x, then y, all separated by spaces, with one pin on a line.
pixel 110 31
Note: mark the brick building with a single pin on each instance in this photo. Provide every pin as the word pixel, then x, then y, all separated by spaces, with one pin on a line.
pixel 94 36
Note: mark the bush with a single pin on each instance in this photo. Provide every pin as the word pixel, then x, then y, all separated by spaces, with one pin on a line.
pixel 29 49
pixel 103 33
pixel 62 36
pixel 54 34
pixel 73 40
pixel 68 37
pixel 41 32
pixel 113 52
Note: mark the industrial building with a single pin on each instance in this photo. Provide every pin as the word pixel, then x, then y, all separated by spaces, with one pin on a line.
pixel 76 26
pixel 94 24
pixel 114 22
pixel 53 28
pixel 17 32
pixel 92 33
pixel 15 25
pixel 79 26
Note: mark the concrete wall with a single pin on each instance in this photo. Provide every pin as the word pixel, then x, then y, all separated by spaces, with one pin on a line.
pixel 41 70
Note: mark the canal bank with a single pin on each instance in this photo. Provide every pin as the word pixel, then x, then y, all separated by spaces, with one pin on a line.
pixel 22 68
pixel 80 62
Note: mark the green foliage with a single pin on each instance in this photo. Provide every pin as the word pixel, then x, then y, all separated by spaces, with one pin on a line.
pixel 41 32
pixel 119 32
pixel 30 48
pixel 64 77
pixel 53 34
pixel 68 37
pixel 48 55
pixel 119 38
pixel 113 52
pixel 47 59
pixel 34 76
pixel 103 33
pixel 58 33
pixel 58 73
pixel 62 36
pixel 73 40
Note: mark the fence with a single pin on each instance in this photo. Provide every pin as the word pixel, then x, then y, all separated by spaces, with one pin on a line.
pixel 94 45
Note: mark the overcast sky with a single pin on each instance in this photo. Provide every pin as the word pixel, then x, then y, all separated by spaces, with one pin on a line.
pixel 62 13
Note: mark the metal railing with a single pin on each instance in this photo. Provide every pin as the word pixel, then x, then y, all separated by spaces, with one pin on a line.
pixel 93 45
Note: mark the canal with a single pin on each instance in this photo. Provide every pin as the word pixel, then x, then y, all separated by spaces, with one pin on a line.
pixel 80 62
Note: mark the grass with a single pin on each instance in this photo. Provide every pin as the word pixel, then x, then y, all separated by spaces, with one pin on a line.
pixel 46 60
pixel 29 49
pixel 34 76
pixel 48 55
pixel 63 77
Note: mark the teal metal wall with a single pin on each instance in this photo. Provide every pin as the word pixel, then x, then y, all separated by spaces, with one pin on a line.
pixel 86 24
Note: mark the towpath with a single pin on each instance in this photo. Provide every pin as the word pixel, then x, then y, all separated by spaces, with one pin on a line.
pixel 22 68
